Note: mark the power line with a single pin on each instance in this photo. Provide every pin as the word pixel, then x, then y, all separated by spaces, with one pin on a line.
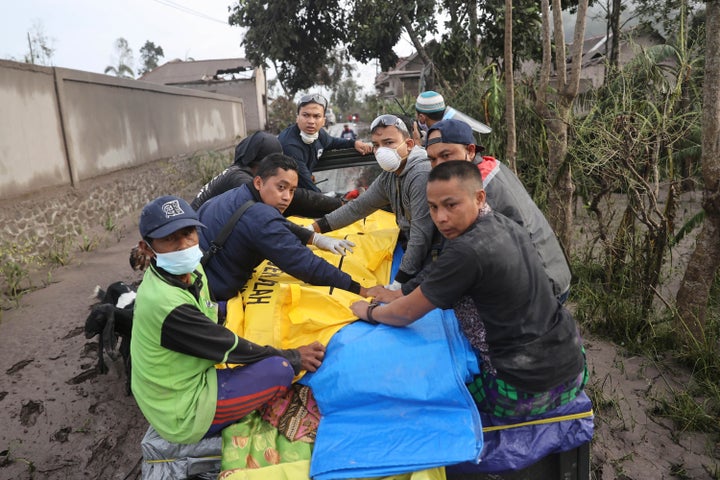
pixel 190 11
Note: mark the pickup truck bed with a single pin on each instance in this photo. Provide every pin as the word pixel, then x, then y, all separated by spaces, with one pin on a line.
pixel 571 465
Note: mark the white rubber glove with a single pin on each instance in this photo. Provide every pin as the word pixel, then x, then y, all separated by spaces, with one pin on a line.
pixel 394 286
pixel 309 227
pixel 335 245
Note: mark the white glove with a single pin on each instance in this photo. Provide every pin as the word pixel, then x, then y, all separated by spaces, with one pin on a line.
pixel 335 245
pixel 394 286
pixel 309 227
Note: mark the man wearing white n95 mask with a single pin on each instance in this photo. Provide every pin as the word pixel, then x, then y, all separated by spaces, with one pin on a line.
pixel 402 188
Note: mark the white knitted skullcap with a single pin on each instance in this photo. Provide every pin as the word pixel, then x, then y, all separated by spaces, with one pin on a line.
pixel 429 102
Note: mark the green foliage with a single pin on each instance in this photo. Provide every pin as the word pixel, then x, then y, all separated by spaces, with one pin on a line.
pixel 632 140
pixel 345 97
pixel 125 60
pixel 702 356
pixel 527 25
pixel 483 97
pixel 663 15
pixel 375 31
pixel 282 112
pixel 627 143
pixel 40 46
pixel 88 244
pixel 15 265
pixel 310 42
pixel 692 412
pixel 374 28
pixel 59 253
pixel 610 307
pixel 370 107
pixel 694 222
pixel 614 312
pixel 15 278
pixel 8 457
pixel 298 37
pixel 149 55
pixel 209 164
pixel 475 34
pixel 109 222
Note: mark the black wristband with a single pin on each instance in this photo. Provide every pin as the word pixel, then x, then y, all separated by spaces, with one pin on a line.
pixel 370 319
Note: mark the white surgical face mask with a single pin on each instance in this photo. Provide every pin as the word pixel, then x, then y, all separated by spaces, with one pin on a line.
pixel 388 158
pixel 308 139
pixel 179 262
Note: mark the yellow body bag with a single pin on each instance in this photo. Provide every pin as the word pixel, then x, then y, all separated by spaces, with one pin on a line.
pixel 279 310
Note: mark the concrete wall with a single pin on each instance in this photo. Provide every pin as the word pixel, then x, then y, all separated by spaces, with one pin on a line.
pixel 250 91
pixel 253 92
pixel 60 127
pixel 80 152
pixel 57 225
pixel 32 149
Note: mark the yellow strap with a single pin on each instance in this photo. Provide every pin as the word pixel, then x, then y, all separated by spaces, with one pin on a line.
pixel 170 460
pixel 541 421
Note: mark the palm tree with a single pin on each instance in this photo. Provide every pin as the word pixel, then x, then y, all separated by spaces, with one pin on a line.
pixel 125 59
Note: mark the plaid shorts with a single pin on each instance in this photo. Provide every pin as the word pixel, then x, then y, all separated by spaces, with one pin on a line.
pixel 501 399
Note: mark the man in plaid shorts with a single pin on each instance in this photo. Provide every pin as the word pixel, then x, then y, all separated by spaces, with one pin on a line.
pixel 531 354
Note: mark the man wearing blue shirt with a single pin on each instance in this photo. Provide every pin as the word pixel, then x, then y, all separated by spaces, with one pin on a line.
pixel 305 141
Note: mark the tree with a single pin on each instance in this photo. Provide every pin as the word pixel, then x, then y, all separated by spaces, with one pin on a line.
pixel 555 109
pixel 613 28
pixel 692 297
pixel 150 54
pixel 298 37
pixel 345 95
pixel 40 49
pixel 527 25
pixel 123 69
pixel 511 145
pixel 302 38
pixel 662 15
pixel 629 142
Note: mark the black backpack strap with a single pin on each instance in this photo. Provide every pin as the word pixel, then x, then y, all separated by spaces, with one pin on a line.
pixel 217 244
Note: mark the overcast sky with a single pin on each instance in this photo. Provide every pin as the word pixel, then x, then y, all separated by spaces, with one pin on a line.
pixel 83 32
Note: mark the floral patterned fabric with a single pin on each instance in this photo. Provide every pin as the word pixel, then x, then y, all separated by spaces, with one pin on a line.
pixel 253 443
pixel 295 414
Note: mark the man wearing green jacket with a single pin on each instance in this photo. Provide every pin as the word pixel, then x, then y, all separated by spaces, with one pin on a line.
pixel 177 341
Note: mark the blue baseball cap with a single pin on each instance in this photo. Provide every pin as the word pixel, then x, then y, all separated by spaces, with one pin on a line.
pixel 451 131
pixel 165 215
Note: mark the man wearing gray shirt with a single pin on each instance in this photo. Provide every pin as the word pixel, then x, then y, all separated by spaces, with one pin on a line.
pixel 453 140
pixel 401 187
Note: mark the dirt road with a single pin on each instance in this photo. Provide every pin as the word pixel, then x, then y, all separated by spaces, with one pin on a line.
pixel 61 420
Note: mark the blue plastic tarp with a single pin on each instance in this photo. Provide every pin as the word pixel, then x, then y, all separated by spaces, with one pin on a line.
pixel 393 400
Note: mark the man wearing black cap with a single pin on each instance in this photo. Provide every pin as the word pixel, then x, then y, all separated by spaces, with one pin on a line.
pixel 248 153
pixel 453 140
pixel 176 339
pixel 305 141
pixel 527 344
